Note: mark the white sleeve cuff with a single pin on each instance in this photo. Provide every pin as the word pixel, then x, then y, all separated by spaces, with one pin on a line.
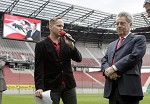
pixel 114 67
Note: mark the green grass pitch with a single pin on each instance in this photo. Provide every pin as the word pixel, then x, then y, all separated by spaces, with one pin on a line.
pixel 82 99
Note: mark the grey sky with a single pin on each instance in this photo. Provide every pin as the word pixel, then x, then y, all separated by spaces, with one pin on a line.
pixel 110 6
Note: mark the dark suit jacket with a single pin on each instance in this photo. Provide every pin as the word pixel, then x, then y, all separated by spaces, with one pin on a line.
pixel 48 70
pixel 128 61
pixel 36 35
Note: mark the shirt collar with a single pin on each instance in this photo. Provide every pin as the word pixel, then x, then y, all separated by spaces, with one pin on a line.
pixel 53 41
pixel 125 36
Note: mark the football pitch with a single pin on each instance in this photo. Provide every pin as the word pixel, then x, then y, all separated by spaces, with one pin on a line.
pixel 82 99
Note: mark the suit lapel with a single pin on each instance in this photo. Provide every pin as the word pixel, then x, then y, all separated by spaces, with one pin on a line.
pixel 114 46
pixel 34 34
pixel 112 49
pixel 126 40
pixel 62 45
pixel 50 47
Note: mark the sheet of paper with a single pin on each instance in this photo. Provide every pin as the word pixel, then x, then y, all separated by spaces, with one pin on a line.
pixel 46 99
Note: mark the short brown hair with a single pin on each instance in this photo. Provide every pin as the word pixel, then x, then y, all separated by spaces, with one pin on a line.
pixel 53 20
pixel 146 1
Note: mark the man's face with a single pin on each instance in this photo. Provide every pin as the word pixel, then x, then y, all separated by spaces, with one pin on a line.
pixel 147 7
pixel 122 26
pixel 57 27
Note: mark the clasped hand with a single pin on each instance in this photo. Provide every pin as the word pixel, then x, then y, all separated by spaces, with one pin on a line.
pixel 111 73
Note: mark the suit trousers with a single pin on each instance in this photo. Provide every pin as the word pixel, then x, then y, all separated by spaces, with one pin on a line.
pixel 0 97
pixel 67 95
pixel 116 98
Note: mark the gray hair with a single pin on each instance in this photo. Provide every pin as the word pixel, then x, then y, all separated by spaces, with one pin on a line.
pixel 129 17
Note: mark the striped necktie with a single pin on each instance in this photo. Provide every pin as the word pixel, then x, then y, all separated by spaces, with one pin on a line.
pixel 120 41
pixel 118 45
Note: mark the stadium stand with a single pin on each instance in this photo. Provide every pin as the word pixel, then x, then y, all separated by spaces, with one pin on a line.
pixel 18 77
pixel 84 81
pixel 98 75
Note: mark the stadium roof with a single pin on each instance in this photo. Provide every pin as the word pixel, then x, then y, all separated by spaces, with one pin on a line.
pixel 71 14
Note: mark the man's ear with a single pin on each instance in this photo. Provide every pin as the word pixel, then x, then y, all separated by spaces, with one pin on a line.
pixel 50 27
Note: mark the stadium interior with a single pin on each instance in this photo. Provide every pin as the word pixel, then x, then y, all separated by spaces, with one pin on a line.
pixel 93 30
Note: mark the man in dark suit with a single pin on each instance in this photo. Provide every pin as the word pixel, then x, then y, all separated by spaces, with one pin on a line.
pixel 33 34
pixel 122 63
pixel 2 81
pixel 53 65
pixel 147 7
